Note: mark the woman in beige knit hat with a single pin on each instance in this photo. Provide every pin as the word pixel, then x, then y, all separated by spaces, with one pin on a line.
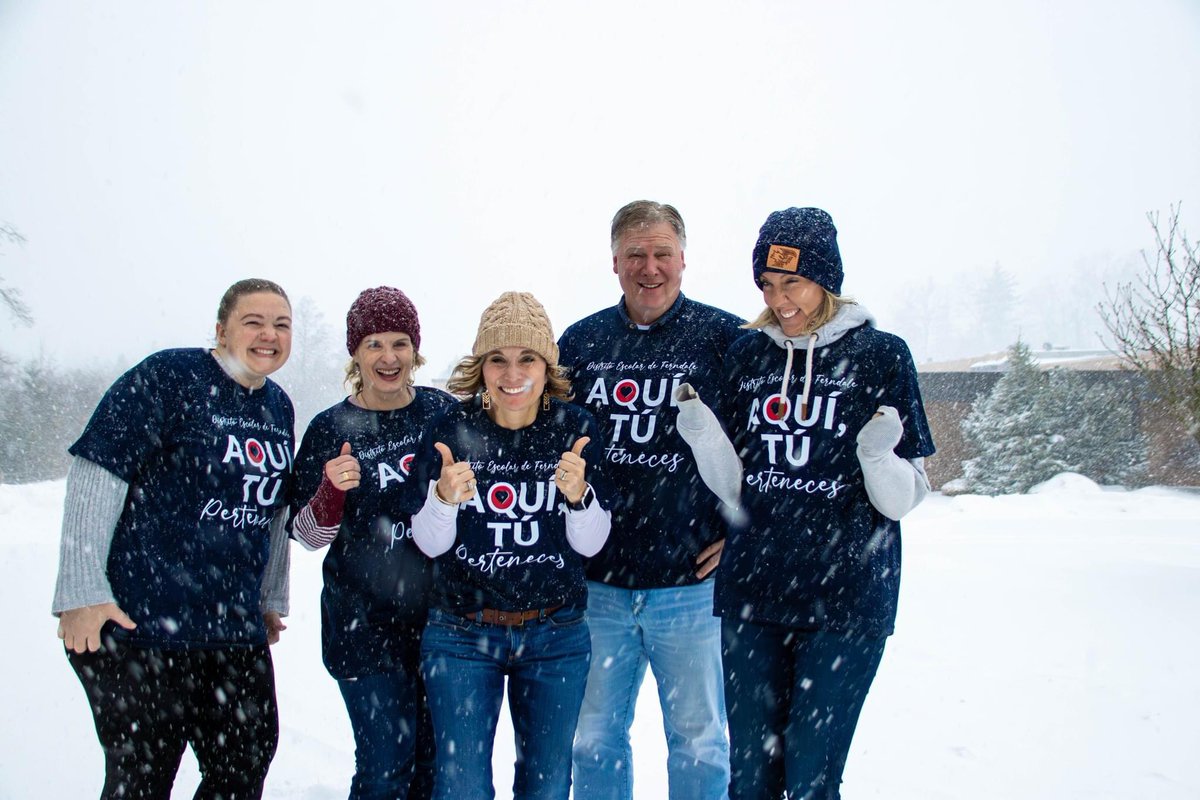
pixel 515 502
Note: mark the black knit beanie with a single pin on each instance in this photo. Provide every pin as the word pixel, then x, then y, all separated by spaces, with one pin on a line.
pixel 800 241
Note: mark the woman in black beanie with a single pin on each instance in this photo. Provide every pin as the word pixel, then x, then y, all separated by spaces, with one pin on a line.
pixel 828 438
pixel 354 463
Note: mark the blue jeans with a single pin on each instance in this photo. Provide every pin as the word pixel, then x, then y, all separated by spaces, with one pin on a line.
pixel 464 664
pixel 672 630
pixel 794 700
pixel 393 737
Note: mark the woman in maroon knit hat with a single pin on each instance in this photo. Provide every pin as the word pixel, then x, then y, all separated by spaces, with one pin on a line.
pixel 353 464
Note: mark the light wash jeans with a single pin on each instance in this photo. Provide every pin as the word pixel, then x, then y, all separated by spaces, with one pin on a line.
pixel 672 630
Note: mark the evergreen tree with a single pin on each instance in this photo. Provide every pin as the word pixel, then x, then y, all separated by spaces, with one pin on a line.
pixel 1010 431
pixel 43 409
pixel 1034 425
pixel 994 322
pixel 1097 432
pixel 313 376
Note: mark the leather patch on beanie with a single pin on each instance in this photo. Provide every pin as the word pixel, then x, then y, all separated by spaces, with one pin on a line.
pixel 783 258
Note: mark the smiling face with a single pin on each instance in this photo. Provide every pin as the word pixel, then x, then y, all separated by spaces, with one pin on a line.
pixel 649 264
pixel 385 363
pixel 515 377
pixel 256 338
pixel 792 298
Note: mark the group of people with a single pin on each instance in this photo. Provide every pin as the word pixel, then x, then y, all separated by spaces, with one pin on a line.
pixel 664 486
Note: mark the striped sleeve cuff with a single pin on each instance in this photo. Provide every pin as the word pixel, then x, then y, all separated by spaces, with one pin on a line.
pixel 310 533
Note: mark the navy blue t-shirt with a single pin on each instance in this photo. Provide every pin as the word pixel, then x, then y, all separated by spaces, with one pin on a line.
pixel 511 552
pixel 663 515
pixel 815 554
pixel 376 578
pixel 207 462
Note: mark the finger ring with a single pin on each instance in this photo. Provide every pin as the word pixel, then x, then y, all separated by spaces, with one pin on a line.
pixel 562 474
pixel 471 485
pixel 345 475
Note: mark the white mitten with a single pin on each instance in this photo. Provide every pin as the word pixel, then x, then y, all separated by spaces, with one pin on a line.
pixel 882 432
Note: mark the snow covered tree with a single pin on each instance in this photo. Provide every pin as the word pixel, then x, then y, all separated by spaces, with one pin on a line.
pixel 1034 425
pixel 1155 321
pixel 11 298
pixel 994 322
pixel 314 373
pixel 1096 429
pixel 1011 431
pixel 43 409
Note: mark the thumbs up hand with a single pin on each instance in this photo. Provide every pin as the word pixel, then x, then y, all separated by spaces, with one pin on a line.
pixel 569 477
pixel 343 471
pixel 456 484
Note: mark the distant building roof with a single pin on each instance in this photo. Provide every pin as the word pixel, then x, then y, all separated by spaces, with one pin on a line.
pixel 1047 358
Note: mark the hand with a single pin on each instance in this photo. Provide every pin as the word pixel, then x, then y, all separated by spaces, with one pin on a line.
pixel 882 432
pixel 709 558
pixel 344 471
pixel 571 467
pixel 79 628
pixel 456 483
pixel 273 621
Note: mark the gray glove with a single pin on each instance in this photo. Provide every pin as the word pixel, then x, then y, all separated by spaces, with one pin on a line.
pixel 693 414
pixel 882 432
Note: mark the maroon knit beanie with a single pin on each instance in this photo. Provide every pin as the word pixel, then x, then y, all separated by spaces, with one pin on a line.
pixel 380 310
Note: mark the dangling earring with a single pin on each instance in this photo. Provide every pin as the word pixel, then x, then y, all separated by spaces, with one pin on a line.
pixel 487 400
pixel 545 401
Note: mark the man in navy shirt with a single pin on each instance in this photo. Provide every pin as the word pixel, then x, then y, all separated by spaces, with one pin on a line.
pixel 650 593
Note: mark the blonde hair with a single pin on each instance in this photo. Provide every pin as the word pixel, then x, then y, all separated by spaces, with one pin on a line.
pixel 354 379
pixel 831 304
pixel 467 378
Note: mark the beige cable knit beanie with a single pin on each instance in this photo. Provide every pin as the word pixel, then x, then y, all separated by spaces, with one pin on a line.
pixel 516 319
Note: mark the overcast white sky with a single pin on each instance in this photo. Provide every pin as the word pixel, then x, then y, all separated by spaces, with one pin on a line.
pixel 154 153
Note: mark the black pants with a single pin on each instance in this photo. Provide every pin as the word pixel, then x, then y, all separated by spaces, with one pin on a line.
pixel 793 698
pixel 149 704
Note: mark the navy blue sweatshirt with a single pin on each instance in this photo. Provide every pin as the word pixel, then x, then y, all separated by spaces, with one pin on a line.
pixel 662 515
pixel 511 551
pixel 376 579
pixel 207 462
pixel 815 554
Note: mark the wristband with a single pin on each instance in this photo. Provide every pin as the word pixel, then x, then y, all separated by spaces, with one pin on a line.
pixel 586 500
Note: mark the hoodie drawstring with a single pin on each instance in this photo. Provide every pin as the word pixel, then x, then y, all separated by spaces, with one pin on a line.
pixel 787 373
pixel 787 370
pixel 812 345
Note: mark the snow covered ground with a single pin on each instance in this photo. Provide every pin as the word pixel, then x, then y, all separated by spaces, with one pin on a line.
pixel 1047 647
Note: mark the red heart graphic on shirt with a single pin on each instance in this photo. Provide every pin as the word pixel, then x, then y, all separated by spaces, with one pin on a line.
pixel 501 497
pixel 626 391
pixel 776 408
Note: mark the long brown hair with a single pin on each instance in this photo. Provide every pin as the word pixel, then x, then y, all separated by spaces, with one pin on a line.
pixel 467 379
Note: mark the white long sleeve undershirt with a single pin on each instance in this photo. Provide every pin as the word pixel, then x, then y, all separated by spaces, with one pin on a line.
pixel 435 528
pixel 92 507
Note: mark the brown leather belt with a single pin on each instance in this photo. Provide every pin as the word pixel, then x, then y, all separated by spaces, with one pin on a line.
pixel 494 616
